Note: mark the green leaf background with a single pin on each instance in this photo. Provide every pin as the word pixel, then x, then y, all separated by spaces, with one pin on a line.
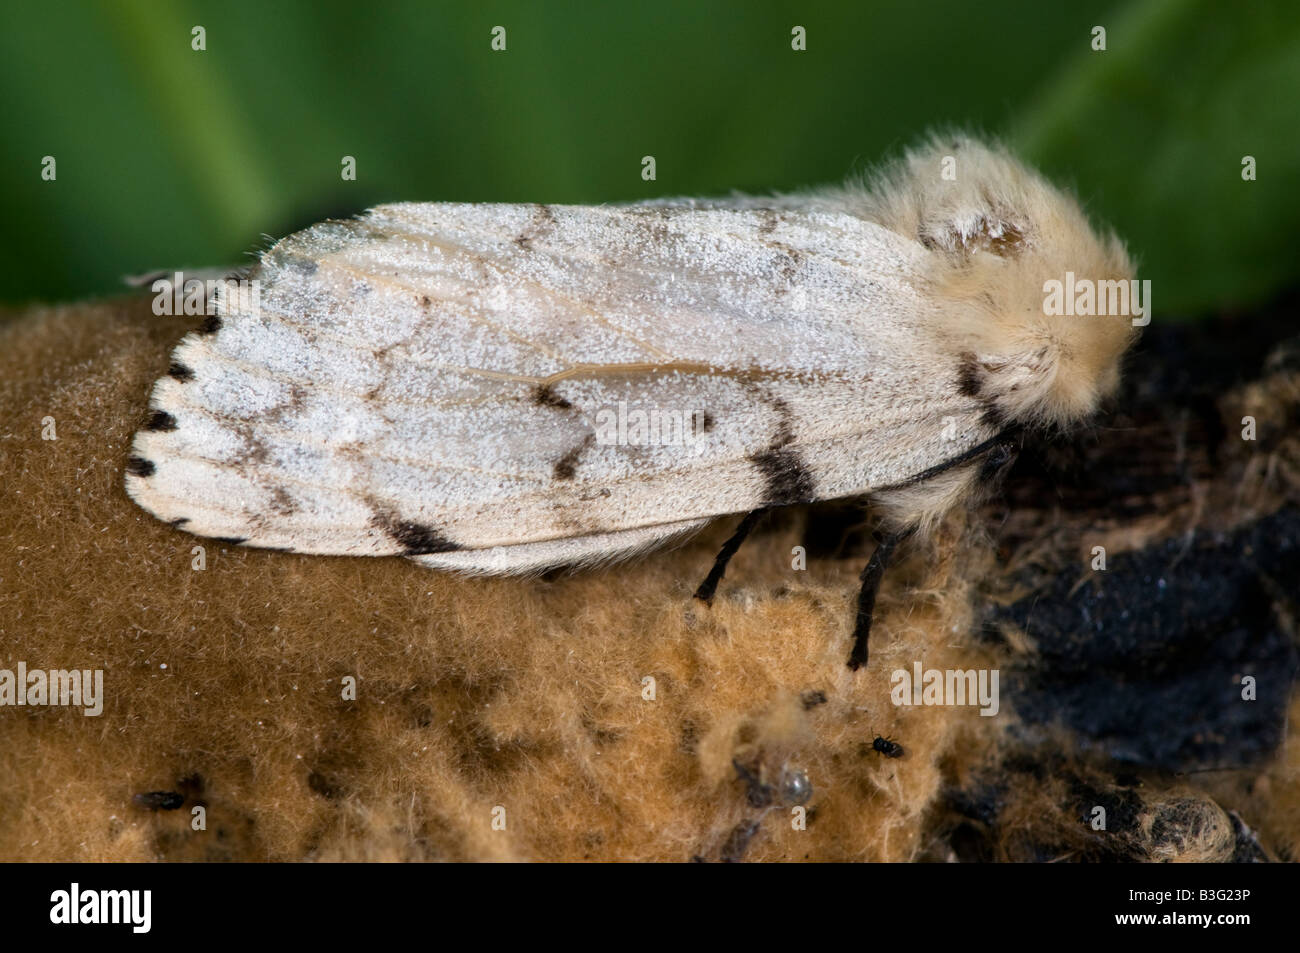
pixel 169 157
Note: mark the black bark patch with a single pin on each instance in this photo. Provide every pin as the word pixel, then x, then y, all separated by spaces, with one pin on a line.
pixel 416 539
pixel 1145 660
pixel 788 479
pixel 139 466
pixel 545 396
pixel 160 421
pixel 180 371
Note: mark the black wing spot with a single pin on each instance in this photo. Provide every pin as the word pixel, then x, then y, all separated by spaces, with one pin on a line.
pixel 969 382
pixel 230 540
pixel 180 371
pixel 180 521
pixel 139 466
pixel 788 479
pixel 416 539
pixel 567 465
pixel 160 421
pixel 545 396
pixel 211 325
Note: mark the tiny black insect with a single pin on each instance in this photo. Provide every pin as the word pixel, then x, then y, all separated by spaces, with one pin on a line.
pixel 888 747
pixel 159 800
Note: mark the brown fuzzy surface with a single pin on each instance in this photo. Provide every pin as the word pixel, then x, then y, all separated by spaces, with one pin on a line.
pixel 225 685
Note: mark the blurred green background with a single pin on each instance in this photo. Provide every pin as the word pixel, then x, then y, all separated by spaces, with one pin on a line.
pixel 168 157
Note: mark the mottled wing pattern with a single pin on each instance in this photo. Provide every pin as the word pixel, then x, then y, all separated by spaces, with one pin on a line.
pixel 439 381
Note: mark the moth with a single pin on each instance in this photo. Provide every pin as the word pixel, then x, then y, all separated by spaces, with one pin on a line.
pixel 511 388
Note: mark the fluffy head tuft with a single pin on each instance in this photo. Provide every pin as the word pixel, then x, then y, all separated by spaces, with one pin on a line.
pixel 998 234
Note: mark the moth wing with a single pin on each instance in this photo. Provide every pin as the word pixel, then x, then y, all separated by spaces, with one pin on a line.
pixel 497 387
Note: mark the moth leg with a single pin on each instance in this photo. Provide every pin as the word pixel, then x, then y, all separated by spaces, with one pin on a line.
pixel 710 583
pixel 998 458
pixel 871 577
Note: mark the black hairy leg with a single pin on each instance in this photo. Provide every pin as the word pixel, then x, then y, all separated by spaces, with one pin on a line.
pixel 710 584
pixel 871 577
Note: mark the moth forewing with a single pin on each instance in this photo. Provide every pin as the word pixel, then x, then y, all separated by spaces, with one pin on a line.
pixel 414 373
pixel 503 388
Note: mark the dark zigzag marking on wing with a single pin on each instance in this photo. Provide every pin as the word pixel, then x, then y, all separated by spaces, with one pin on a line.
pixel 788 479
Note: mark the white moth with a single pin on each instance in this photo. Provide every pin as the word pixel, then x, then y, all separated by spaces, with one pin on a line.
pixel 477 387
